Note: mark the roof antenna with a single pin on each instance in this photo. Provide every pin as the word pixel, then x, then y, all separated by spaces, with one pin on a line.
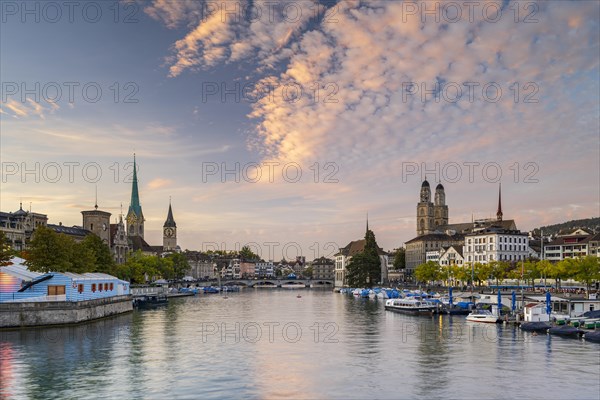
pixel 96 204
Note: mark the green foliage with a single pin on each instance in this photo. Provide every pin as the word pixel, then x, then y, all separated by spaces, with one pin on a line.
pixel 428 272
pixel 103 260
pixel 180 265
pixel 400 259
pixel 5 250
pixel 247 254
pixel 587 270
pixel 308 272
pixel 49 251
pixel 364 269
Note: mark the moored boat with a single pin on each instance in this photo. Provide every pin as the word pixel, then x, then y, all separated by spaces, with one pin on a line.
pixel 482 316
pixel 593 336
pixel 410 306
pixel 538 326
pixel 565 330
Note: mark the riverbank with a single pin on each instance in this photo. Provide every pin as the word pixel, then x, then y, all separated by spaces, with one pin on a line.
pixel 48 313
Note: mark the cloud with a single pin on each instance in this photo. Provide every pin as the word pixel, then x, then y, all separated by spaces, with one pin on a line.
pixel 159 183
pixel 27 108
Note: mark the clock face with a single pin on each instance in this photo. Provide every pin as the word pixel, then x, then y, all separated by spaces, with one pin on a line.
pixel 103 227
pixel 169 232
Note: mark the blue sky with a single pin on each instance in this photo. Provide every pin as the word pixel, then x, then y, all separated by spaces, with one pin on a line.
pixel 362 134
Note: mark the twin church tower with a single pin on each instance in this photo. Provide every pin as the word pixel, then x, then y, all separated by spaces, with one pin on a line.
pixel 431 216
pixel 135 222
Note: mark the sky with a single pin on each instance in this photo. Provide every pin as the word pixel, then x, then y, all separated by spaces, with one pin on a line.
pixel 283 124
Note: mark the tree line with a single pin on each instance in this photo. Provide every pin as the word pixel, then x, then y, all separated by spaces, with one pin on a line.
pixel 49 251
pixel 585 270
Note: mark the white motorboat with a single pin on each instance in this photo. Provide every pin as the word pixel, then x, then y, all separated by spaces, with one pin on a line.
pixel 482 316
pixel 410 305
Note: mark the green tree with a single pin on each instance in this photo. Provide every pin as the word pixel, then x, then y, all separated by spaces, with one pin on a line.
pixel 82 257
pixel 308 272
pixel 463 274
pixel 499 271
pixel 247 254
pixel 49 251
pixel 400 259
pixel 364 269
pixel 530 272
pixel 427 272
pixel 103 260
pixel 482 272
pixel 5 250
pixel 587 270
pixel 180 265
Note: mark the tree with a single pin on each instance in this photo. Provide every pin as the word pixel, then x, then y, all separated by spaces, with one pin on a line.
pixel 5 250
pixel 530 272
pixel 400 259
pixel 103 260
pixel 180 265
pixel 247 254
pixel 427 272
pixel 499 270
pixel 482 272
pixel 49 251
pixel 82 257
pixel 364 269
pixel 308 272
pixel 587 270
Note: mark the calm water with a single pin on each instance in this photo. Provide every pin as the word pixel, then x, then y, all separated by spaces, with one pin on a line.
pixel 271 344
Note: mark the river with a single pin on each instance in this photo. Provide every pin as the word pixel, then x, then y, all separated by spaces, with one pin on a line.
pixel 267 343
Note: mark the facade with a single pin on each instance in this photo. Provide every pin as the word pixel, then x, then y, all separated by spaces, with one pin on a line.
pixel 76 232
pixel 202 266
pixel 18 284
pixel 417 248
pixel 264 269
pixel 452 256
pixel 19 226
pixel 119 245
pixel 323 268
pixel 344 256
pixel 576 244
pixel 247 269
pixel 97 222
pixel 496 244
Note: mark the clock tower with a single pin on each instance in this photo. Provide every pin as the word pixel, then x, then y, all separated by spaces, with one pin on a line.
pixel 97 222
pixel 135 217
pixel 170 232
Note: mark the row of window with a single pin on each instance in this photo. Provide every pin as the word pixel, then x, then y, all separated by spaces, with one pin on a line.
pixel 502 239
pixel 503 257
pixel 503 247
pixel 97 287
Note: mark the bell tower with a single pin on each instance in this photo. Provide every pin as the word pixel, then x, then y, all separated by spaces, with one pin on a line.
pixel 440 209
pixel 170 231
pixel 425 221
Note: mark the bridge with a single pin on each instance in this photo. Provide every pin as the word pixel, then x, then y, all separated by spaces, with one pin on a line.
pixel 266 283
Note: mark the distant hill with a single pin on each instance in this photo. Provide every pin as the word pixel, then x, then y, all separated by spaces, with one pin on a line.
pixel 591 225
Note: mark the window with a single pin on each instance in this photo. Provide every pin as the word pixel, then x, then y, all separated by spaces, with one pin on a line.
pixel 99 287
pixel 55 290
pixel 112 287
pixel 80 288
pixel 93 288
pixel 106 287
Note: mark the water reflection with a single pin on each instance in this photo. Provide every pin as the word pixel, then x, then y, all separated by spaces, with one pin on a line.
pixel 337 346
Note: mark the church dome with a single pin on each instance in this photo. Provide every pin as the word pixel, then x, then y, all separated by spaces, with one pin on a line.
pixel 425 183
pixel 439 187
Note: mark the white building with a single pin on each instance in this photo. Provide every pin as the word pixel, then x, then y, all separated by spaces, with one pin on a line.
pixel 264 269
pixel 495 244
pixel 576 244
pixel 452 256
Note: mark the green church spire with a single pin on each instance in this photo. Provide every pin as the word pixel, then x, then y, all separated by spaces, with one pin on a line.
pixel 134 205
